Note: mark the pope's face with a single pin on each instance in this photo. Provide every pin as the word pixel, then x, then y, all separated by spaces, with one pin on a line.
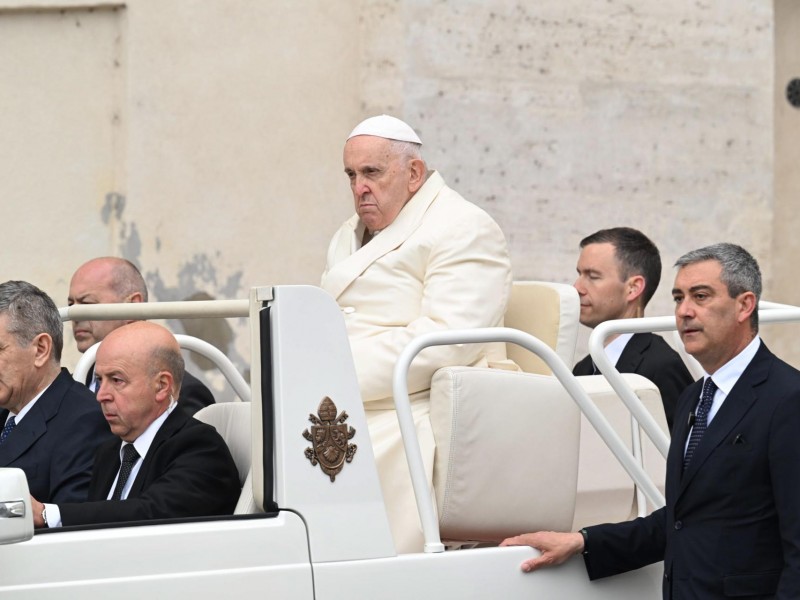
pixel 381 180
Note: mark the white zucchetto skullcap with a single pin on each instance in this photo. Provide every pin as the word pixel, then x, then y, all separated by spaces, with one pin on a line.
pixel 388 127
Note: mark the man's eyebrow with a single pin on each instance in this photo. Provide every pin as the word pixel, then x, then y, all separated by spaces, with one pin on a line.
pixel 111 373
pixel 695 288
pixel 703 287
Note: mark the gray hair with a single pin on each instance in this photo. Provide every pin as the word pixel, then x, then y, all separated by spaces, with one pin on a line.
pixel 31 312
pixel 740 271
pixel 406 150
pixel 168 359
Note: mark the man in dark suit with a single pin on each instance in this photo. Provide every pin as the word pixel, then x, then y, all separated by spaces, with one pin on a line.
pixel 731 524
pixel 110 280
pixel 51 425
pixel 618 272
pixel 167 464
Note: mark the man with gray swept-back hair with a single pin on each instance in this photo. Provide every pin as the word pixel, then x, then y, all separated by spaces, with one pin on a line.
pixel 51 424
pixel 112 280
pixel 730 526
pixel 740 272
pixel 415 257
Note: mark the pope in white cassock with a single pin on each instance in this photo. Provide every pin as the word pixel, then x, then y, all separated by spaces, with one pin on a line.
pixel 416 257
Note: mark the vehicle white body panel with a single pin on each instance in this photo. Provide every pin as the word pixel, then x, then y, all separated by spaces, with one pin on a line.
pixel 328 540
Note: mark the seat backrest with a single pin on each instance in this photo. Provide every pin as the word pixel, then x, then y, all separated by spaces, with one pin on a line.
pixel 232 422
pixel 606 492
pixel 488 423
pixel 549 311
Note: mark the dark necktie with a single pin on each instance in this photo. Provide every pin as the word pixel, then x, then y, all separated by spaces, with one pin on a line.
pixel 129 458
pixel 10 424
pixel 700 420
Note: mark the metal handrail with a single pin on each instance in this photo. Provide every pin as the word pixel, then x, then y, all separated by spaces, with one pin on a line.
pixel 427 512
pixel 191 309
pixel 769 312
pixel 186 309
pixel 187 342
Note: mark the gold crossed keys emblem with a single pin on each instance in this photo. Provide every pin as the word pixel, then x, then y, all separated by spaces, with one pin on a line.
pixel 329 435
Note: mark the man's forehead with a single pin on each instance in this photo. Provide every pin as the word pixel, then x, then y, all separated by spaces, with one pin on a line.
pixel 595 256
pixel 707 273
pixel 367 147
pixel 93 276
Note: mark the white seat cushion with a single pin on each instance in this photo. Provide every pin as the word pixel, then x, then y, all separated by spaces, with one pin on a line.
pixel 506 453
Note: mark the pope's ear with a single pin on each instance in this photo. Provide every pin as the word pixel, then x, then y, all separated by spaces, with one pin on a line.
pixel 418 173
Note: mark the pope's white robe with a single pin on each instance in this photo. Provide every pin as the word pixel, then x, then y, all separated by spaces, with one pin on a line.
pixel 442 264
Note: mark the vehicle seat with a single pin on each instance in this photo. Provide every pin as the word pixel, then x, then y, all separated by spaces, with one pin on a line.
pixel 232 421
pixel 606 493
pixel 549 311
pixel 506 453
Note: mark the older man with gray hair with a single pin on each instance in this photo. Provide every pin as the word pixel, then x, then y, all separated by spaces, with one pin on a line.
pixel 51 425
pixel 416 257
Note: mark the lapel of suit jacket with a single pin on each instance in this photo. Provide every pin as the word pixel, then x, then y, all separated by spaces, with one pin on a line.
pixel 104 471
pixel 342 274
pixel 680 433
pixel 633 352
pixel 34 424
pixel 175 421
pixel 733 409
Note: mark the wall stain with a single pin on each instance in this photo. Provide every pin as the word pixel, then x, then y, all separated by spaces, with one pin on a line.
pixel 197 279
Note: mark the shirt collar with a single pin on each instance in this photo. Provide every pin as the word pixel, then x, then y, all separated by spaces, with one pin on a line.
pixel 616 346
pixel 728 374
pixel 29 405
pixel 144 441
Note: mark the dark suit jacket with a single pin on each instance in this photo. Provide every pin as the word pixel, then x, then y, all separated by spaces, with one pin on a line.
pixel 193 396
pixel 187 472
pixel 731 524
pixel 56 440
pixel 648 355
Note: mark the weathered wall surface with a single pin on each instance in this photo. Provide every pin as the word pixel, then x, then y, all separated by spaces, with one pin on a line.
pixel 564 117
pixel 202 139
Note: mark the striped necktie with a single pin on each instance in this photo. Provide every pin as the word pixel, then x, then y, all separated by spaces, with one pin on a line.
pixel 129 458
pixel 700 421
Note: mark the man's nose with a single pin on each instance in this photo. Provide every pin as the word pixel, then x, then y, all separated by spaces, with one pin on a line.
pixel 101 392
pixel 683 308
pixel 578 285
pixel 361 186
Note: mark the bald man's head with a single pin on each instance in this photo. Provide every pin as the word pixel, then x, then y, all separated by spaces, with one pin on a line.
pixel 106 280
pixel 139 370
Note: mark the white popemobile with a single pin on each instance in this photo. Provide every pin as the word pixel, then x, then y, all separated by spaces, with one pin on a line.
pixel 311 521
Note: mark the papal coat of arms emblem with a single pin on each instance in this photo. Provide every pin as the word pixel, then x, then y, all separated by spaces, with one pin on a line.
pixel 329 435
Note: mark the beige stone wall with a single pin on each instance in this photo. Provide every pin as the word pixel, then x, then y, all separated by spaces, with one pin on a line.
pixel 567 116
pixel 202 139
pixel 784 278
